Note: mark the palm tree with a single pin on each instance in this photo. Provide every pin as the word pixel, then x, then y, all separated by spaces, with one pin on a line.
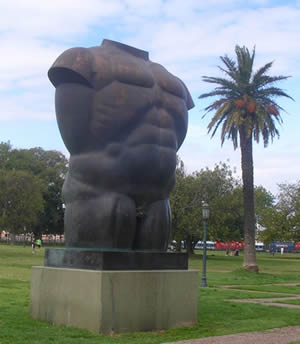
pixel 245 109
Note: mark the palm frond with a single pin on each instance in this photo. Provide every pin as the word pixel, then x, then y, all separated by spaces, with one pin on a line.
pixel 219 115
pixel 220 81
pixel 233 135
pixel 226 86
pixel 245 63
pixel 278 119
pixel 261 72
pixel 229 131
pixel 266 136
pixel 229 63
pixel 231 121
pixel 268 80
pixel 215 126
pixel 259 121
pixel 270 130
pixel 256 134
pixel 273 92
pixel 231 67
pixel 215 105
pixel 215 92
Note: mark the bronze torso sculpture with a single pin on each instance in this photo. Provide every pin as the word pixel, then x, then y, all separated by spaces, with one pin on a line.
pixel 122 118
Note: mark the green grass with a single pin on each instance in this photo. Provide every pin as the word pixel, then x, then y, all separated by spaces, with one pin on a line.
pixel 216 316
pixel 228 270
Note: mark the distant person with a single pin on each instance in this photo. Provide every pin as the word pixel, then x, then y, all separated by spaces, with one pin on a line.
pixel 39 243
pixel 227 251
pixel 273 250
pixel 281 250
pixel 33 246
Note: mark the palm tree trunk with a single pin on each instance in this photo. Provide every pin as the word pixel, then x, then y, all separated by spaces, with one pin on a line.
pixel 248 195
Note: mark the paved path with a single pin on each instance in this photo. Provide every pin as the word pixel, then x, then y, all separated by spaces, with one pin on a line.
pixel 283 335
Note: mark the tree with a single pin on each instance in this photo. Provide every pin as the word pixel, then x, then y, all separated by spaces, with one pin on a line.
pixel 277 226
pixel 289 200
pixel 246 109
pixel 281 221
pixel 5 150
pixel 217 187
pixel 21 201
pixel 226 222
pixel 186 207
pixel 264 204
pixel 50 167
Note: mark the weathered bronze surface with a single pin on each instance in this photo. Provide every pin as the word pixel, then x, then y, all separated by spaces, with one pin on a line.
pixel 122 118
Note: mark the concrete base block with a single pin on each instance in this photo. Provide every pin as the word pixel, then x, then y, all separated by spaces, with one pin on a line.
pixel 115 301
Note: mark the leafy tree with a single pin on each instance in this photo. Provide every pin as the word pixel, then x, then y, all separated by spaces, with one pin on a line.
pixel 277 226
pixel 282 221
pixel 50 167
pixel 245 108
pixel 21 201
pixel 219 189
pixel 289 200
pixel 5 150
pixel 264 203
pixel 185 205
pixel 226 223
pixel 228 213
pixel 215 186
pixel 263 199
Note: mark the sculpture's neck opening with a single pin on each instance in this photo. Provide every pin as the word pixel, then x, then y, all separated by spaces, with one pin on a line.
pixel 131 50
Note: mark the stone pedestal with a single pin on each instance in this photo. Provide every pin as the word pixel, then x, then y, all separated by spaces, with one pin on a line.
pixel 114 301
pixel 93 259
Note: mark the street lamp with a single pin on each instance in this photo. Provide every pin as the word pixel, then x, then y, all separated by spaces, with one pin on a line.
pixel 205 217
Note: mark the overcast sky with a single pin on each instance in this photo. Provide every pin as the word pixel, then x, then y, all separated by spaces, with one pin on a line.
pixel 187 37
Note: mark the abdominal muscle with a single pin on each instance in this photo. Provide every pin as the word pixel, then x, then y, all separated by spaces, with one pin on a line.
pixel 141 166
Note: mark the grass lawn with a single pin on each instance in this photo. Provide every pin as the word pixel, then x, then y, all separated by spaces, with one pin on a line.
pixel 216 315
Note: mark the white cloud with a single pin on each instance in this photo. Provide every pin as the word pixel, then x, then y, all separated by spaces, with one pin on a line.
pixel 144 8
pixel 194 133
pixel 190 45
pixel 31 82
pixel 187 37
pixel 36 103
pixel 54 18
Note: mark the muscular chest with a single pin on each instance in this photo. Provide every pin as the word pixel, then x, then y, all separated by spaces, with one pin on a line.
pixel 130 93
pixel 135 83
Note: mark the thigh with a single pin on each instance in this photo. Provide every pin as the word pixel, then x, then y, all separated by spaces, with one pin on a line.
pixel 153 228
pixel 107 222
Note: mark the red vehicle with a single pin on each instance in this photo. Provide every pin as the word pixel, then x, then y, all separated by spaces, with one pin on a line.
pixel 297 246
pixel 230 245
